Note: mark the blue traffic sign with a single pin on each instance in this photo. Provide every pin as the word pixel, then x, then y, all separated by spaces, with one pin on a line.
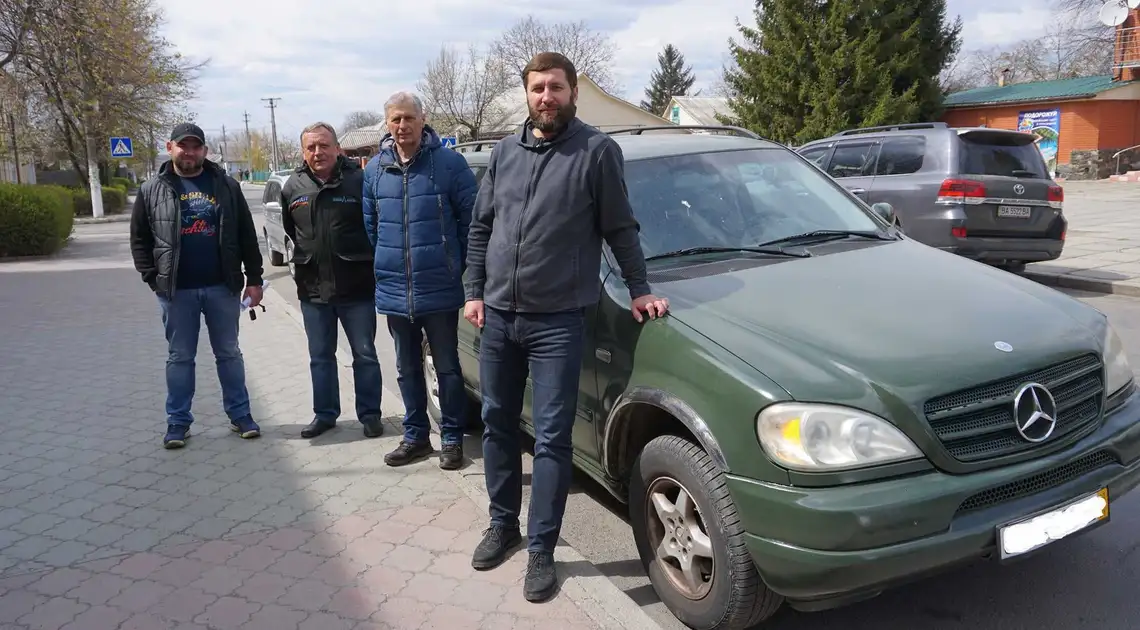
pixel 121 147
pixel 447 141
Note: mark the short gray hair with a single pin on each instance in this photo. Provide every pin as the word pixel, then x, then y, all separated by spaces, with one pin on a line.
pixel 317 126
pixel 404 98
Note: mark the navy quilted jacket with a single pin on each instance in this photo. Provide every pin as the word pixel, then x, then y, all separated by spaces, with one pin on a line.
pixel 417 218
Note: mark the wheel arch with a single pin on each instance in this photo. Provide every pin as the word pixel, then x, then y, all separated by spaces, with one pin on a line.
pixel 643 413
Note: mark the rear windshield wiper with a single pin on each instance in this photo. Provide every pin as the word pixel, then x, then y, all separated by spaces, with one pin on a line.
pixel 692 251
pixel 1021 173
pixel 822 236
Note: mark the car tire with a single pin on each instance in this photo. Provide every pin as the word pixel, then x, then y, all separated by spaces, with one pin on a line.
pixel 733 596
pixel 276 258
pixel 289 258
pixel 474 412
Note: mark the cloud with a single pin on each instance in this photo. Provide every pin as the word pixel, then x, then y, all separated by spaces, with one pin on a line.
pixel 326 60
pixel 1006 26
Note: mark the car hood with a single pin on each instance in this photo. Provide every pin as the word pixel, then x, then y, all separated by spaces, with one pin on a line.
pixel 883 324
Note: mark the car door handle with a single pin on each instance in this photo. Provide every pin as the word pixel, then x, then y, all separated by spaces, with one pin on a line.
pixel 857 191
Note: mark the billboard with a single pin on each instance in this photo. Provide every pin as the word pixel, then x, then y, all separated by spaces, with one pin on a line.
pixel 1046 125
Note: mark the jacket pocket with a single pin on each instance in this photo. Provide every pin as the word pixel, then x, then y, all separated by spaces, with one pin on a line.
pixel 443 235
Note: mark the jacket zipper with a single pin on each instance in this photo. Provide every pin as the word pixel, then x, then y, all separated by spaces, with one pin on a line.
pixel 407 250
pixel 177 244
pixel 443 232
pixel 518 232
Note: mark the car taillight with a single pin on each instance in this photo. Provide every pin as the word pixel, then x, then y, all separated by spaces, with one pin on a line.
pixel 958 232
pixel 1056 197
pixel 961 191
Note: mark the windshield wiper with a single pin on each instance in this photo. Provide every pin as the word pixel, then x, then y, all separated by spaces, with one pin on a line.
pixel 823 236
pixel 692 251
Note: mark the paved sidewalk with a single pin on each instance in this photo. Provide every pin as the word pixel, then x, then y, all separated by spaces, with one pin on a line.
pixel 102 529
pixel 1102 246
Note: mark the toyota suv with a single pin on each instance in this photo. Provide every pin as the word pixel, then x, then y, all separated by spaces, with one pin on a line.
pixel 979 192
pixel 831 408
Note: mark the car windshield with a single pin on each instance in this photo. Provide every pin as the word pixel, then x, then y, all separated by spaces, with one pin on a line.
pixel 735 199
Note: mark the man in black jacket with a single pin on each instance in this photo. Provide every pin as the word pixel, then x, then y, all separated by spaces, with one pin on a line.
pixel 191 235
pixel 322 216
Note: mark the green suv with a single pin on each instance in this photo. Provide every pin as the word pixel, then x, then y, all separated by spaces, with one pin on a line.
pixel 831 408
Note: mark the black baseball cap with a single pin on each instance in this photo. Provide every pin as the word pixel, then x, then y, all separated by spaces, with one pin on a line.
pixel 187 130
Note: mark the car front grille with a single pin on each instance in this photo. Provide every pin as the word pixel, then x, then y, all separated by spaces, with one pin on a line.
pixel 977 424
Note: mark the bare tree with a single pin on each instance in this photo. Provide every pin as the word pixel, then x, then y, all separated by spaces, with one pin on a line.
pixel 15 21
pixel 362 118
pixel 466 90
pixel 592 52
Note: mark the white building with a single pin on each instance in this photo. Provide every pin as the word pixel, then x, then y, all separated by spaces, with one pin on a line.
pixel 697 110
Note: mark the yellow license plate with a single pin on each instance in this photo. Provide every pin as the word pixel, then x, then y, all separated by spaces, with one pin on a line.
pixel 1035 532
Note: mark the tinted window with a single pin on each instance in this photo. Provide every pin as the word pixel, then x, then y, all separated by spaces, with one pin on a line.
pixel 999 154
pixel 479 171
pixel 901 156
pixel 815 155
pixel 272 192
pixel 852 160
pixel 734 199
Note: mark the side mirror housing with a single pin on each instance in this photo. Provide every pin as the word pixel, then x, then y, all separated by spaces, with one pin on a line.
pixel 886 211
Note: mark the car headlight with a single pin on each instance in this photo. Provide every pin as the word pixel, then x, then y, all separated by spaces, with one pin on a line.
pixel 820 438
pixel 1117 371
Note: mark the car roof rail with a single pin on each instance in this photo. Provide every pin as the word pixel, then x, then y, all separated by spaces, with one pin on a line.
pixel 474 143
pixel 900 127
pixel 638 130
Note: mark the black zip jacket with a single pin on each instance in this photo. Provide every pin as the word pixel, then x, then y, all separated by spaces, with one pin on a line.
pixel 543 210
pixel 332 254
pixel 156 232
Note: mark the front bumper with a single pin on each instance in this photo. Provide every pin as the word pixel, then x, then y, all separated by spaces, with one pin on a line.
pixel 847 543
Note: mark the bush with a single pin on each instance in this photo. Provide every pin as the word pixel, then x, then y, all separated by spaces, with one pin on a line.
pixel 121 182
pixel 34 220
pixel 114 201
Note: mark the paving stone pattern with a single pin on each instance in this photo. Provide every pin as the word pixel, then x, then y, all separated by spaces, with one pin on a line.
pixel 102 529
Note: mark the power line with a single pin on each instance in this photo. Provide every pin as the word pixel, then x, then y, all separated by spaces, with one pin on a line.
pixel 273 125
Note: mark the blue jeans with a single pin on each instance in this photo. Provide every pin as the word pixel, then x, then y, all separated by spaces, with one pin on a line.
pixel 359 322
pixel 548 347
pixel 442 330
pixel 182 321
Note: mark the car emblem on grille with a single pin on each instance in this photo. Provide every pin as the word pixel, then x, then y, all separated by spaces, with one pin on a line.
pixel 1019 189
pixel 1003 346
pixel 1034 412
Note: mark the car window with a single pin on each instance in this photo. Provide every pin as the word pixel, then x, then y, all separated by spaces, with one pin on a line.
pixel 479 171
pixel 852 159
pixel 901 156
pixel 1000 154
pixel 266 194
pixel 735 199
pixel 815 154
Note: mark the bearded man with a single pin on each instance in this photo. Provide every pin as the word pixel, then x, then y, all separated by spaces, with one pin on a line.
pixel 533 262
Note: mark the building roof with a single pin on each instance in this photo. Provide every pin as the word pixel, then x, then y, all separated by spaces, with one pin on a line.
pixel 703 108
pixel 367 136
pixel 1060 89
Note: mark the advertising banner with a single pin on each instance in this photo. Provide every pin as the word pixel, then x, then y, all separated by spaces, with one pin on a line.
pixel 1046 125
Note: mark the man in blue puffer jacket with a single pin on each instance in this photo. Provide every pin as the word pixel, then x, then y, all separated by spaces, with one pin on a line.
pixel 418 198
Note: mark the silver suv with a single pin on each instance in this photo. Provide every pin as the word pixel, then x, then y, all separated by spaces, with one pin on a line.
pixel 982 193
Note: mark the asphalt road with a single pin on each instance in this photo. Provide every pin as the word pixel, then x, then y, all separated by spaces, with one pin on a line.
pixel 1090 581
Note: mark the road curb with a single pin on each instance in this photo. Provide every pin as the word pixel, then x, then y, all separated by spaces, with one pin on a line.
pixel 582 582
pixel 1095 285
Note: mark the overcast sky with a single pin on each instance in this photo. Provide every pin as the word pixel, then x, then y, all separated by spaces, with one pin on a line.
pixel 326 59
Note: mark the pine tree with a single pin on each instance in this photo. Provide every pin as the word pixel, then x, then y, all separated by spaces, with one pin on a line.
pixel 671 79
pixel 810 69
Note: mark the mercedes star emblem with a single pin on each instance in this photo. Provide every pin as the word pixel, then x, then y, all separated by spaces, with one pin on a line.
pixel 1019 189
pixel 1003 346
pixel 1034 412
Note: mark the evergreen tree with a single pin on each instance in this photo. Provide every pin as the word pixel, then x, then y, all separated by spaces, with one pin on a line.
pixel 811 68
pixel 671 79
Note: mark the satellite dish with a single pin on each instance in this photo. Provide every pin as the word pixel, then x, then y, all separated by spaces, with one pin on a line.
pixel 1132 4
pixel 1113 13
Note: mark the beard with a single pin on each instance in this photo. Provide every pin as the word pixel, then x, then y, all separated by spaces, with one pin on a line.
pixel 547 123
pixel 189 165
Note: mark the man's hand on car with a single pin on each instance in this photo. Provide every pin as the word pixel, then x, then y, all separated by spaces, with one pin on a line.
pixel 654 306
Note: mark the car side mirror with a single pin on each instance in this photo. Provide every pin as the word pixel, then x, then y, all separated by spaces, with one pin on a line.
pixel 886 211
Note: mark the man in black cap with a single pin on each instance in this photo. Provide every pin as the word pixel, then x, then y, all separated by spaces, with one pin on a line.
pixel 191 236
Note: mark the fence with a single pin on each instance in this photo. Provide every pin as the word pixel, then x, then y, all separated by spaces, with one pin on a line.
pixel 8 173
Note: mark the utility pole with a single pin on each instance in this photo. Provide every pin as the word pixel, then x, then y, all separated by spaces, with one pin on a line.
pixel 225 164
pixel 273 125
pixel 248 146
pixel 15 145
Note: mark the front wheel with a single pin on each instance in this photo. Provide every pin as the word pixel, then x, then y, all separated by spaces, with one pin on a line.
pixel 289 258
pixel 276 258
pixel 690 539
pixel 431 381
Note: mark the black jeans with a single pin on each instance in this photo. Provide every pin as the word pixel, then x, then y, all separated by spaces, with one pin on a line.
pixel 442 331
pixel 548 347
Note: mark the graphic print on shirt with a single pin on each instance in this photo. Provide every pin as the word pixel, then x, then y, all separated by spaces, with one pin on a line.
pixel 199 214
pixel 199 264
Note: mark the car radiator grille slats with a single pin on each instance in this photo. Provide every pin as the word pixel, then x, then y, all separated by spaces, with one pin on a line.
pixel 977 424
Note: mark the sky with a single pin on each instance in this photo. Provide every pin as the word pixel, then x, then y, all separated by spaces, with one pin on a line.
pixel 323 61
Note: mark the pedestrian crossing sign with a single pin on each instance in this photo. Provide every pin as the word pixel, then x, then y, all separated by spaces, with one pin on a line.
pixel 121 147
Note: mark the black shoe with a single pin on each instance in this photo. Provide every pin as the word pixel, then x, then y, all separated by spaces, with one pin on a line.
pixel 407 452
pixel 316 427
pixel 451 456
pixel 373 427
pixel 492 550
pixel 541 581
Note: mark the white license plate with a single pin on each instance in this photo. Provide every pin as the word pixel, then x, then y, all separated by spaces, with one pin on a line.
pixel 1033 533
pixel 1015 212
